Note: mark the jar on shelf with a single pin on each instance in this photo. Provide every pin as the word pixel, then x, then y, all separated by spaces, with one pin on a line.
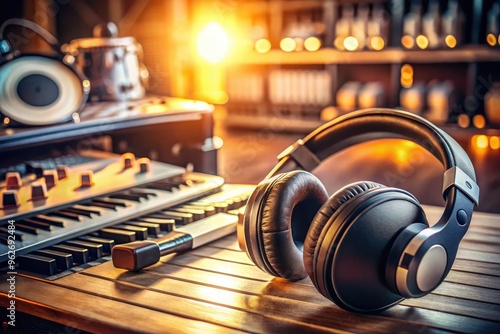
pixel 492 104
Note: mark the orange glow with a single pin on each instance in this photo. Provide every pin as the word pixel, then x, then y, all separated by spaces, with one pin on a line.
pixel 494 142
pixel 377 43
pixel 287 44
pixel 351 43
pixel 491 39
pixel 339 43
pixel 450 41
pixel 480 141
pixel 498 38
pixel 422 42
pixel 463 121
pixel 407 76
pixel 479 121
pixel 407 41
pixel 262 45
pixel 212 43
pixel 312 44
pixel 299 43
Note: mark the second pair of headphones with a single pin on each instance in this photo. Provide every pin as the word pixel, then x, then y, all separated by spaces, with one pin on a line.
pixel 38 89
pixel 366 247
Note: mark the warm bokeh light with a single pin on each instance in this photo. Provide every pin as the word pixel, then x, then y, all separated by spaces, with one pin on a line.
pixel 479 121
pixel 491 39
pixel 450 41
pixel 287 44
pixel 407 41
pixel 499 39
pixel 422 42
pixel 212 43
pixel 262 45
pixel 494 142
pixel 299 43
pixel 463 121
pixel 377 43
pixel 351 43
pixel 339 43
pixel 312 43
pixel 480 141
pixel 407 76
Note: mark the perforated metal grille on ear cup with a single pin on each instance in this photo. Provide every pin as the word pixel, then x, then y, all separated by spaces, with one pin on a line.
pixel 327 210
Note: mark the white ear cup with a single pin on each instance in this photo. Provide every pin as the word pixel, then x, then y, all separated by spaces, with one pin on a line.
pixel 38 90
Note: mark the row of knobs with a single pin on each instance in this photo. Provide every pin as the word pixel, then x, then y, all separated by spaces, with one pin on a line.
pixel 13 181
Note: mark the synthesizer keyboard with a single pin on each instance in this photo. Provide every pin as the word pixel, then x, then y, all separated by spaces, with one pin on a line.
pixel 104 201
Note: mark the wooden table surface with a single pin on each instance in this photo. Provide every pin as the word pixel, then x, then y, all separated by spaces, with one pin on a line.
pixel 217 289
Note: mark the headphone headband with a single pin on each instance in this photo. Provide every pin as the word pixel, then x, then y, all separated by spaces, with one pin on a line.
pixel 369 124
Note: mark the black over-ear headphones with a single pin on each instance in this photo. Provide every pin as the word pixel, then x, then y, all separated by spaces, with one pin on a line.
pixel 368 246
pixel 38 89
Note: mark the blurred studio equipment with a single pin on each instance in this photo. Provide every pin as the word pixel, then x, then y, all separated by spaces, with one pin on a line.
pixel 38 89
pixel 113 64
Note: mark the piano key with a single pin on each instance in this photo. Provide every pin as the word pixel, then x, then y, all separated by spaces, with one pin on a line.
pixel 166 224
pixel 37 264
pixel 101 205
pixel 119 236
pixel 67 215
pixel 130 197
pixel 27 229
pixel 18 235
pixel 158 186
pixel 181 217
pixel 80 255
pixel 64 261
pixel 139 191
pixel 40 225
pixel 113 201
pixel 99 210
pixel 153 229
pixel 107 244
pixel 209 209
pixel 84 212
pixel 50 220
pixel 141 233
pixel 219 206
pixel 197 214
pixel 95 249
pixel 238 202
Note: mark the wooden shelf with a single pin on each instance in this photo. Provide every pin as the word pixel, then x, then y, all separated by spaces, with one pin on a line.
pixel 464 54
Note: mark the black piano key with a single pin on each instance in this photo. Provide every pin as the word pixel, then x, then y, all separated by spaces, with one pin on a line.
pixel 129 197
pixel 141 233
pixel 180 217
pixel 83 212
pixel 145 193
pixel 112 201
pixel 18 235
pixel 49 220
pixel 197 214
pixel 101 205
pixel 119 236
pixel 153 229
pixel 95 249
pixel 37 224
pixel 64 261
pixel 37 264
pixel 158 186
pixel 166 224
pixel 80 255
pixel 27 229
pixel 107 244
pixel 67 215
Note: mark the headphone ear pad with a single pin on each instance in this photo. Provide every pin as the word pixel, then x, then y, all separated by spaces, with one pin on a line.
pixel 327 210
pixel 277 219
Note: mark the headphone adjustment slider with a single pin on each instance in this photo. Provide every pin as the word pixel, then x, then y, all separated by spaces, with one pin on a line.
pixel 302 155
pixel 455 177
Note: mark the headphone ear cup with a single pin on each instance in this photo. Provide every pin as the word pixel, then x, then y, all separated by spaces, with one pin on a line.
pixel 323 216
pixel 277 218
pixel 350 256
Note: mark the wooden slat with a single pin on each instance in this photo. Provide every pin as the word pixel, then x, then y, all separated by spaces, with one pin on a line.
pixel 485 268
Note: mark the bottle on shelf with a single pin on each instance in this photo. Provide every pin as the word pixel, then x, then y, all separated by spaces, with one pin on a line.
pixel 493 25
pixel 452 25
pixel 378 28
pixel 431 25
pixel 343 27
pixel 412 25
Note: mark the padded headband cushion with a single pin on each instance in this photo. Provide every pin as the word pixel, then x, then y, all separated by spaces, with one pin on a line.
pixel 291 204
pixel 326 212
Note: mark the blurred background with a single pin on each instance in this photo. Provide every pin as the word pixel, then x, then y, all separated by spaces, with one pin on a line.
pixel 276 69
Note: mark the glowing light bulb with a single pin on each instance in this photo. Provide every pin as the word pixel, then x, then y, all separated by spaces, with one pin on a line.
pixel 212 43
pixel 377 43
pixel 479 121
pixel 287 44
pixel 491 39
pixel 408 41
pixel 450 41
pixel 494 142
pixel 480 141
pixel 422 42
pixel 262 45
pixel 351 43
pixel 312 44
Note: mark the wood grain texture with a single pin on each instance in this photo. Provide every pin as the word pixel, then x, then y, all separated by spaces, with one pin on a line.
pixel 217 289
